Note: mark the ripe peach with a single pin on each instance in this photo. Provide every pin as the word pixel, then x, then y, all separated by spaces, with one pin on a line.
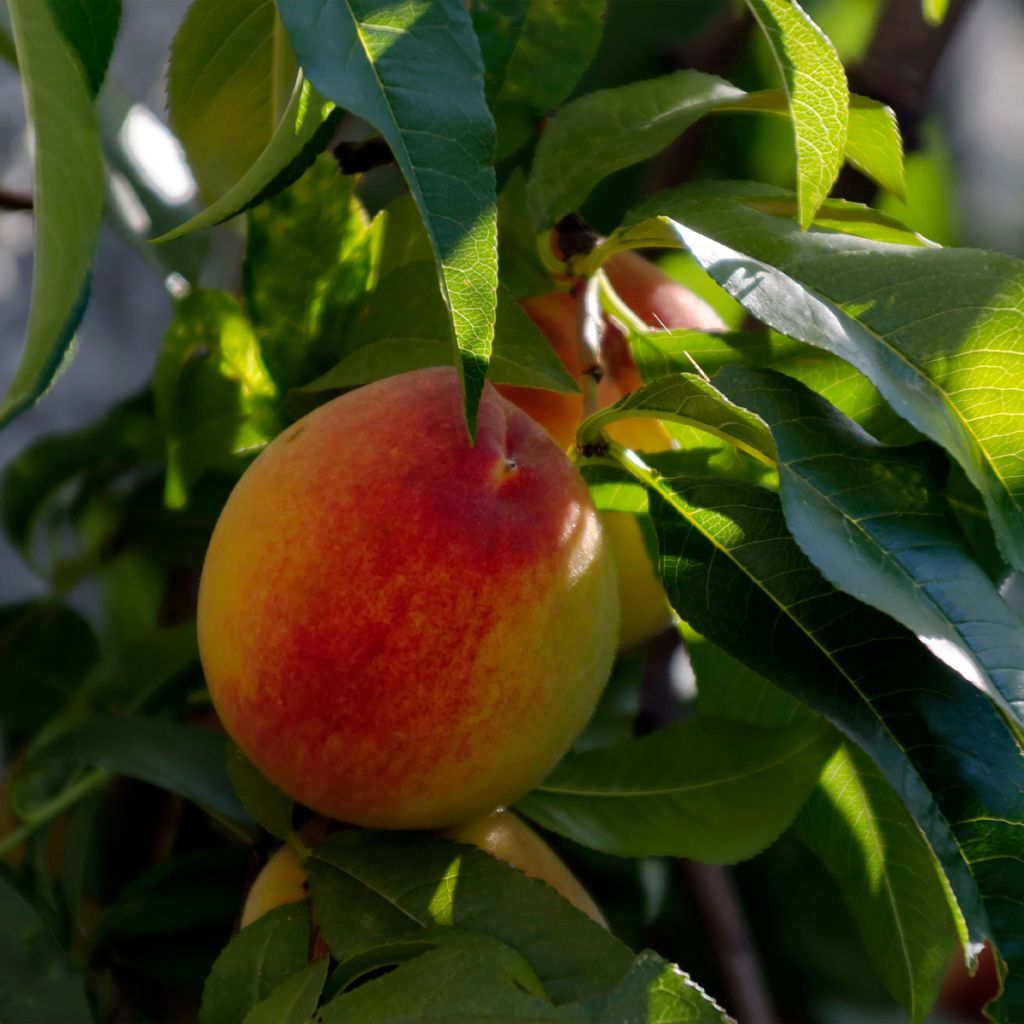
pixel 402 630
pixel 659 302
pixel 500 833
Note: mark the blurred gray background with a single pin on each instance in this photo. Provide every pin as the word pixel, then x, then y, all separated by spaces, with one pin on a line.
pixel 977 101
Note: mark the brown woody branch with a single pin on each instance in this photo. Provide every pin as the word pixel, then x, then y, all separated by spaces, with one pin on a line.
pixel 10 200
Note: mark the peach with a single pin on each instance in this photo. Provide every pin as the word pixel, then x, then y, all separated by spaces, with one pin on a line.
pixel 399 629
pixel 500 833
pixel 659 302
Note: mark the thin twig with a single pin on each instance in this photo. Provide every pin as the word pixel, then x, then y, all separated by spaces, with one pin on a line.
pixel 10 200
pixel 721 913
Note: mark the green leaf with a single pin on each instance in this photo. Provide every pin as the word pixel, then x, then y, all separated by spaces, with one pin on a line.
pixel 369 56
pixel 615 128
pixel 181 894
pixel 267 805
pixel 873 520
pixel 91 28
pixel 517 40
pixel 934 11
pixel 373 887
pixel 294 1000
pixel 126 437
pixel 214 398
pixel 690 400
pixel 403 326
pixel 46 649
pixel 857 826
pixel 252 965
pixel 713 791
pixel 726 688
pixel 231 74
pixel 182 759
pixel 935 330
pixel 466 981
pixel 873 142
pixel 39 984
pixel 305 128
pixel 68 194
pixel 733 571
pixel 659 353
pixel 468 978
pixel 310 257
pixel 654 992
pixel 819 99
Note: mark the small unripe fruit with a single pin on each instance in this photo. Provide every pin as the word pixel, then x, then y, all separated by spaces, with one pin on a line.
pixel 400 629
pixel 659 302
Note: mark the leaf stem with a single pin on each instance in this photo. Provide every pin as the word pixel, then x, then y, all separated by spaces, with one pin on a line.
pixel 88 783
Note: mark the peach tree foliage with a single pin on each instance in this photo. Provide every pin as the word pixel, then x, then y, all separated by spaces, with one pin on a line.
pixel 838 529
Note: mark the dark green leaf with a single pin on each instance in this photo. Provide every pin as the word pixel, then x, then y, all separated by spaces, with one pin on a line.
pixel 373 887
pixel 179 758
pixel 403 326
pixel 819 99
pixel 294 1000
pixel 266 804
pixel 45 650
pixel 856 824
pixel 181 894
pixel 310 258
pixel 469 978
pixel 415 73
pixel 469 981
pixel 214 398
pixel 518 38
pixel 68 191
pixel 712 791
pixel 654 992
pixel 230 77
pixel 91 28
pixel 732 570
pixel 614 128
pixel 38 984
pixel 254 963
pixel 127 437
pixel 935 330
pixel 873 520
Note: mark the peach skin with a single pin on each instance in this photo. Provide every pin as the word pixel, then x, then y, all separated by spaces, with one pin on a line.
pixel 399 629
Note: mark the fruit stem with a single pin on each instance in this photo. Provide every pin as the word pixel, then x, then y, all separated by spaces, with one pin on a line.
pixel 616 307
pixel 590 330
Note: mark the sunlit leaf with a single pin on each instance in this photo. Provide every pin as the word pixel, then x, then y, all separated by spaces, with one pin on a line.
pixel 230 76
pixel 856 824
pixel 819 99
pixel 370 56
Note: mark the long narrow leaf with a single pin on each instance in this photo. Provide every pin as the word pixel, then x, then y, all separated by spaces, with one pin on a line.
pixel 414 72
pixel 68 195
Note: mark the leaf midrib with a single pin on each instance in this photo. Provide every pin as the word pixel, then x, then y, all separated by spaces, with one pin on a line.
pixel 720 781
